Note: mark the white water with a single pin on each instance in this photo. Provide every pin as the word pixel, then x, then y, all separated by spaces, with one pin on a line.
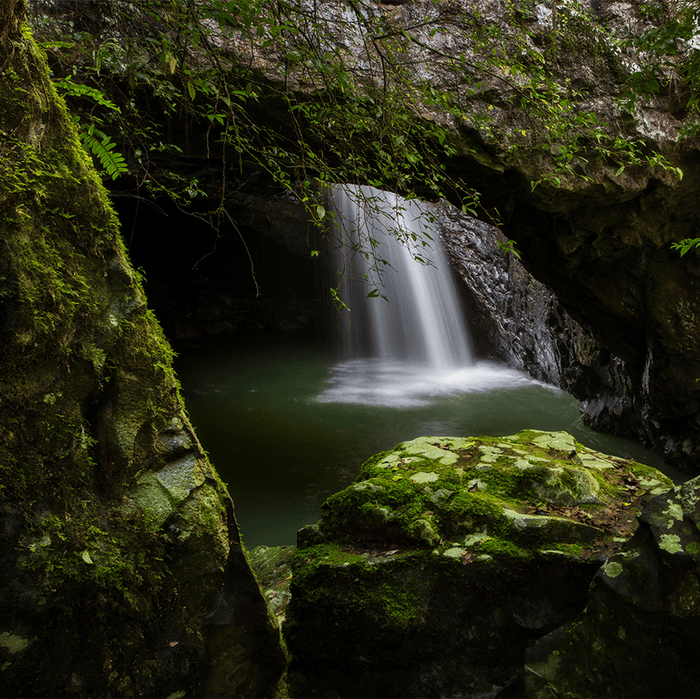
pixel 413 345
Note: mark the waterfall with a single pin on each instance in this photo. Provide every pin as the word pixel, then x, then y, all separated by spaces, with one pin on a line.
pixel 403 335
pixel 413 313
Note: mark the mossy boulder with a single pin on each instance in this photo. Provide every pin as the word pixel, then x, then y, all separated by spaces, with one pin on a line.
pixel 121 567
pixel 637 636
pixel 431 574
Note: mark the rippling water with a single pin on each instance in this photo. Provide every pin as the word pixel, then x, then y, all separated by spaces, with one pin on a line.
pixel 395 384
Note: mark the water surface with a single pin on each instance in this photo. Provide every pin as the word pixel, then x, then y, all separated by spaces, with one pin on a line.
pixel 267 414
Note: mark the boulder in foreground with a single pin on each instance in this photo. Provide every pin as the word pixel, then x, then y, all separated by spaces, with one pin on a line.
pixel 434 571
pixel 637 636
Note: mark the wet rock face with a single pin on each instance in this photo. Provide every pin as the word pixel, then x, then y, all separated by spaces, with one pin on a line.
pixel 515 318
pixel 431 574
pixel 603 245
pixel 638 632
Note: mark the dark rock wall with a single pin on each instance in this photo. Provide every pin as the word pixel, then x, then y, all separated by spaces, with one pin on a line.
pixel 517 319
pixel 639 302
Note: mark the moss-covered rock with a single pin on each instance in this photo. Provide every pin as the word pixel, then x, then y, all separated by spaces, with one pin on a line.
pixel 273 569
pixel 433 571
pixel 118 542
pixel 637 634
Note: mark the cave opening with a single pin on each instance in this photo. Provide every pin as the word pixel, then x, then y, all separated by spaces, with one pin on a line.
pixel 254 367
pixel 222 281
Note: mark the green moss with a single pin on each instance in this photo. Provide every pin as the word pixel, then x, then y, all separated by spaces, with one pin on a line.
pixel 14 644
pixel 527 436
pixel 88 404
pixel 504 551
pixel 446 562
pixel 305 561
pixel 468 512
pixel 391 597
pixel 574 551
pixel 486 484
pixel 366 467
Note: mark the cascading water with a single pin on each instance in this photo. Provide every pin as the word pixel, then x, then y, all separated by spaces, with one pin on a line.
pixel 272 405
pixel 413 344
pixel 419 318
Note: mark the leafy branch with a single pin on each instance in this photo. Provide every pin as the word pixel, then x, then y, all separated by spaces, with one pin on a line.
pixel 671 60
pixel 686 245
pixel 95 141
pixel 314 94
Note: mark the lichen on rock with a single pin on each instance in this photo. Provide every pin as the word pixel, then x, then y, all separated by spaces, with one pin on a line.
pixel 430 574
pixel 637 633
pixel 117 536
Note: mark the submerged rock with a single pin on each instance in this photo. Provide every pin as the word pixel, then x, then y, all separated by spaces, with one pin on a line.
pixel 431 574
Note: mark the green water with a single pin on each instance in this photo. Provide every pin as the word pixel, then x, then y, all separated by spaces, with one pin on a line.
pixel 282 452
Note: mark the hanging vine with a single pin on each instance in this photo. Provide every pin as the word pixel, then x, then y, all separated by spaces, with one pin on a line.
pixel 324 92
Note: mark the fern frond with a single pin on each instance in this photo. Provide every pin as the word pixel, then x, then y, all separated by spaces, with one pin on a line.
pixel 101 146
pixel 73 89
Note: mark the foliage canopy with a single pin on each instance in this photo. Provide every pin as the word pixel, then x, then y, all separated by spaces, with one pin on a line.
pixel 314 92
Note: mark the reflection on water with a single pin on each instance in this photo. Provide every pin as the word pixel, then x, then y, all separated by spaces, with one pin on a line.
pixel 265 415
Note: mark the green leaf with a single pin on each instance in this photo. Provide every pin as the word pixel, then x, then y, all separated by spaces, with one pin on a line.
pixel 85 555
pixel 335 295
pixel 103 148
pixel 686 245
